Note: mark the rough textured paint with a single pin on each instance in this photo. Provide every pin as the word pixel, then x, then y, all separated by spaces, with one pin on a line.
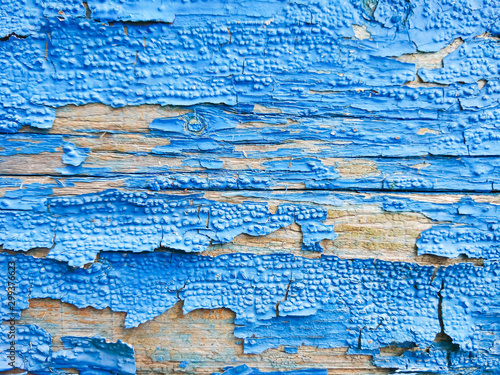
pixel 140 133
pixel 473 230
pixel 77 228
pixel 75 60
pixel 286 300
pixel 90 356
pixel 425 154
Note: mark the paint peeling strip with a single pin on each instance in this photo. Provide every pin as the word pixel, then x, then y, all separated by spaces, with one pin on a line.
pixel 285 300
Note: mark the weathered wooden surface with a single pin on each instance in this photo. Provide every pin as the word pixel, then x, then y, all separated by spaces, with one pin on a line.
pixel 191 186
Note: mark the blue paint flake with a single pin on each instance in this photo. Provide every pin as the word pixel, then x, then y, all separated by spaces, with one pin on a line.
pixel 245 370
pixel 76 229
pixel 89 355
pixel 285 300
pixel 73 155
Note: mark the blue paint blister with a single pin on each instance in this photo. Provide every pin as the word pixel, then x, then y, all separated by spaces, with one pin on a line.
pixel 32 350
pixel 76 229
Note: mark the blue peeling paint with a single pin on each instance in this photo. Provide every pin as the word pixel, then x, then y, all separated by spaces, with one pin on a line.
pixel 197 72
pixel 285 300
pixel 469 63
pixel 215 62
pixel 245 370
pixel 290 93
pixel 32 350
pixel 473 230
pixel 76 229
pixel 73 155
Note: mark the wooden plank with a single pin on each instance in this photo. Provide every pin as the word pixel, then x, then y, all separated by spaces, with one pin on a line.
pixel 306 187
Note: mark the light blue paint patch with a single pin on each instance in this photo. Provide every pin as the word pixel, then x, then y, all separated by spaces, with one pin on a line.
pixel 472 61
pixel 76 229
pixel 74 155
pixel 243 369
pixel 32 350
pixel 285 300
pixel 473 228
pixel 246 370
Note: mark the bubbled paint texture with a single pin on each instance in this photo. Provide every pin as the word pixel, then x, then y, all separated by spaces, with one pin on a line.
pixel 270 115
